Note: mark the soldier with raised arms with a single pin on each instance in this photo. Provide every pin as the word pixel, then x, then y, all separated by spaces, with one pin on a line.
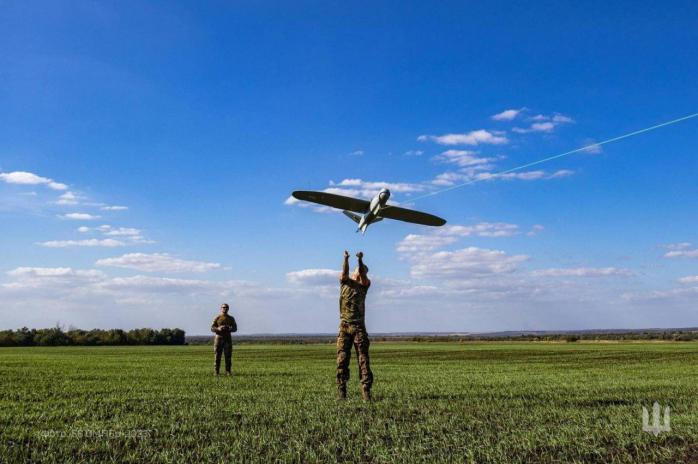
pixel 223 326
pixel 352 327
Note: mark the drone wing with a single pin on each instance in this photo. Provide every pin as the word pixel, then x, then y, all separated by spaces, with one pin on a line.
pixel 335 201
pixel 410 215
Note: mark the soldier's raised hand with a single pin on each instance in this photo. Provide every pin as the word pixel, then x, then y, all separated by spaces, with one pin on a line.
pixel 346 254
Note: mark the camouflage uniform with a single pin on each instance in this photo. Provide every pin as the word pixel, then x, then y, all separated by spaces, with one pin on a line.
pixel 223 342
pixel 352 331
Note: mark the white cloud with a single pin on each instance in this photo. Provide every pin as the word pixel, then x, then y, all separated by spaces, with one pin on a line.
pixel 131 234
pixel 583 272
pixel 525 175
pixel 79 216
pixel 401 187
pixel 674 296
pixel 89 298
pixel 681 250
pixel 414 244
pixel 449 178
pixel 562 119
pixel 119 231
pixel 52 272
pixel 34 277
pixel 413 153
pixel 474 168
pixel 544 123
pixel 157 262
pixel 93 242
pixel 28 178
pixel 156 284
pixel 464 158
pixel 476 137
pixel 471 262
pixel 483 229
pixel 561 173
pixel 314 277
pixel 93 284
pixel 592 148
pixel 114 208
pixel 68 198
pixel 536 127
pixel 689 279
pixel 682 253
pixel 507 115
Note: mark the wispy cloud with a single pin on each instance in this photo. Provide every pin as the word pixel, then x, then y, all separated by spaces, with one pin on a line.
pixel 464 158
pixel 415 244
pixel 507 115
pixel 584 272
pixel 592 148
pixel 67 198
pixel 544 123
pixel 470 262
pixel 28 178
pixel 536 127
pixel 315 277
pixel 476 137
pixel 93 242
pixel 131 234
pixel 474 174
pixel 682 254
pixel 157 262
pixel 79 216
pixel 114 208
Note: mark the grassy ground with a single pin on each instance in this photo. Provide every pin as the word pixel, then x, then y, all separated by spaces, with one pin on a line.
pixel 490 402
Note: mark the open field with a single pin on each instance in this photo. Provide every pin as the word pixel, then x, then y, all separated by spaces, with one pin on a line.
pixel 487 402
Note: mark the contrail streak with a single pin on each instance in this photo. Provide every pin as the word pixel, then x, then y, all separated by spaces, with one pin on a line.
pixel 550 158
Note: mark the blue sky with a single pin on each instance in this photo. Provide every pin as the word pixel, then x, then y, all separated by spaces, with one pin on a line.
pixel 198 121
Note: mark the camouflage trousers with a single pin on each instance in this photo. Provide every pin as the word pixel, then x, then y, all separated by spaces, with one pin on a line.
pixel 350 334
pixel 223 346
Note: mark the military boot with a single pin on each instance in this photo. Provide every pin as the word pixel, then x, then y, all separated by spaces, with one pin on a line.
pixel 342 392
pixel 365 393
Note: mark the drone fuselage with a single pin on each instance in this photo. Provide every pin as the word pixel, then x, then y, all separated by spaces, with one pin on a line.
pixel 373 215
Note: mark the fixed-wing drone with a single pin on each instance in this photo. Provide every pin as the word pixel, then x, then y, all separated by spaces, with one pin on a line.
pixel 369 211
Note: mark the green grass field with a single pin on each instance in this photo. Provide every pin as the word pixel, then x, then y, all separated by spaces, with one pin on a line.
pixel 487 402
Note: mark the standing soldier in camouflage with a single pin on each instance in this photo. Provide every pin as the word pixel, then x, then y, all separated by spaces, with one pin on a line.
pixel 352 327
pixel 223 325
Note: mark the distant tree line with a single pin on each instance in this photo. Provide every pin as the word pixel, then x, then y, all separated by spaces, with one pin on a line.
pixel 96 337
pixel 676 335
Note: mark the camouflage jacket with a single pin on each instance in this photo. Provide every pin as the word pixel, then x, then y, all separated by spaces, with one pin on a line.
pixel 352 302
pixel 224 325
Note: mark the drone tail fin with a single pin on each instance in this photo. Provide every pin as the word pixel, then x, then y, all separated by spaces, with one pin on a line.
pixel 354 217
